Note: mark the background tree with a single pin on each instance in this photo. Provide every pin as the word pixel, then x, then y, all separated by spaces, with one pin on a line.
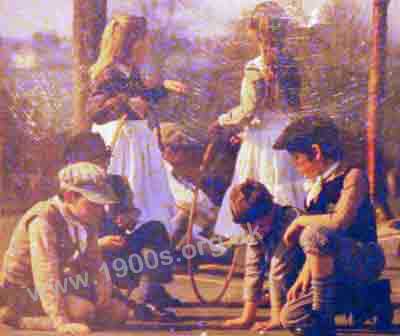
pixel 89 20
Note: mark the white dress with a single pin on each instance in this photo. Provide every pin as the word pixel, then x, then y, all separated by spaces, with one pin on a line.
pixel 183 193
pixel 256 158
pixel 137 156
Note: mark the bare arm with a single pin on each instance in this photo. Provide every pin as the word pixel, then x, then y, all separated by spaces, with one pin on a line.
pixel 253 284
pixel 246 318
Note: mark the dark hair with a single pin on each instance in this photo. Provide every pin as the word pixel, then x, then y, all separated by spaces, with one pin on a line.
pixel 86 146
pixel 301 134
pixel 270 21
pixel 250 201
pixel 327 139
pixel 123 191
pixel 329 150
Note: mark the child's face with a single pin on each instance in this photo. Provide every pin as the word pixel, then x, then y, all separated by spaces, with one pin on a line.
pixel 102 160
pixel 87 212
pixel 268 37
pixel 127 219
pixel 174 155
pixel 306 166
pixel 261 226
pixel 140 49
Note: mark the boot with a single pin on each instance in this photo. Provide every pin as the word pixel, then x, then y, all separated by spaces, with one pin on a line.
pixel 374 303
pixel 149 312
pixel 318 326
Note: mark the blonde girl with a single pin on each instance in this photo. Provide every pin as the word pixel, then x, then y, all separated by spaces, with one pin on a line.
pixel 119 92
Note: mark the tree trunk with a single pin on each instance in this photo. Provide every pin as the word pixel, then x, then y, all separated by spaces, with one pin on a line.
pixel 89 20
pixel 376 92
pixel 5 119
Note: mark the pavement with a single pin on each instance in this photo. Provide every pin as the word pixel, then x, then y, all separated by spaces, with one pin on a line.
pixel 197 319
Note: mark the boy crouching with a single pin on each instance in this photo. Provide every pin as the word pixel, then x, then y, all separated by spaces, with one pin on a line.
pixel 53 265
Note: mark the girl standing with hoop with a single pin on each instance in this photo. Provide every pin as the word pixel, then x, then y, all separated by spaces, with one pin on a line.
pixel 118 106
pixel 269 96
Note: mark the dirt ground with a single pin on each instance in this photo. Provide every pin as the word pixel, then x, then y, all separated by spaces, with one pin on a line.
pixel 205 320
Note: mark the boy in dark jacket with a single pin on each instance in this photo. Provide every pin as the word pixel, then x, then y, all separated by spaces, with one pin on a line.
pixel 337 233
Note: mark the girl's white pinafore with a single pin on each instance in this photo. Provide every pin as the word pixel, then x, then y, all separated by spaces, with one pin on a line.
pixel 137 156
pixel 256 158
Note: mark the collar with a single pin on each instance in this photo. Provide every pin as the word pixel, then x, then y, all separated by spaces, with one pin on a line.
pixel 309 183
pixel 313 187
pixel 126 70
pixel 330 170
pixel 76 230
pixel 69 218
pixel 168 166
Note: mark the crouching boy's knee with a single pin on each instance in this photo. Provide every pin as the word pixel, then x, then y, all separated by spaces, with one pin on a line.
pixel 294 315
pixel 80 310
pixel 114 314
pixel 318 240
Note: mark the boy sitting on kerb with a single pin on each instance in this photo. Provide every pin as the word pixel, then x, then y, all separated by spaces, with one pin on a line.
pixel 53 265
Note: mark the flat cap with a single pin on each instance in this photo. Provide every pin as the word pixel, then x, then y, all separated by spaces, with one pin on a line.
pixel 89 180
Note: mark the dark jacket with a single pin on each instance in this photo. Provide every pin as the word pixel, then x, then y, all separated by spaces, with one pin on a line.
pixel 105 102
pixel 361 226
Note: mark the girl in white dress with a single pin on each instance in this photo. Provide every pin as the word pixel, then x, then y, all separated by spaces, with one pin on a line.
pixel 119 92
pixel 269 96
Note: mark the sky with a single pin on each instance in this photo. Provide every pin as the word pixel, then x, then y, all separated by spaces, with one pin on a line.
pixel 21 18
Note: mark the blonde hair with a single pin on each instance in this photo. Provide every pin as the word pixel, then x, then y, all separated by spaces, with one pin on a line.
pixel 270 23
pixel 120 30
pixel 269 20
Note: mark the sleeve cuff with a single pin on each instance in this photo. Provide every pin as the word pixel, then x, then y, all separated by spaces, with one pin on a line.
pixel 221 120
pixel 59 320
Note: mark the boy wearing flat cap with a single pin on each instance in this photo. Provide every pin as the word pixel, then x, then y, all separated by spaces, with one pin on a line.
pixel 337 233
pixel 122 236
pixel 53 265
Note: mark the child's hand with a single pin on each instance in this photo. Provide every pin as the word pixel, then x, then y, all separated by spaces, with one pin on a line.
pixel 111 243
pixel 301 285
pixel 103 294
pixel 291 236
pixel 236 139
pixel 269 325
pixel 237 323
pixel 77 329
pixel 175 86
pixel 128 219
